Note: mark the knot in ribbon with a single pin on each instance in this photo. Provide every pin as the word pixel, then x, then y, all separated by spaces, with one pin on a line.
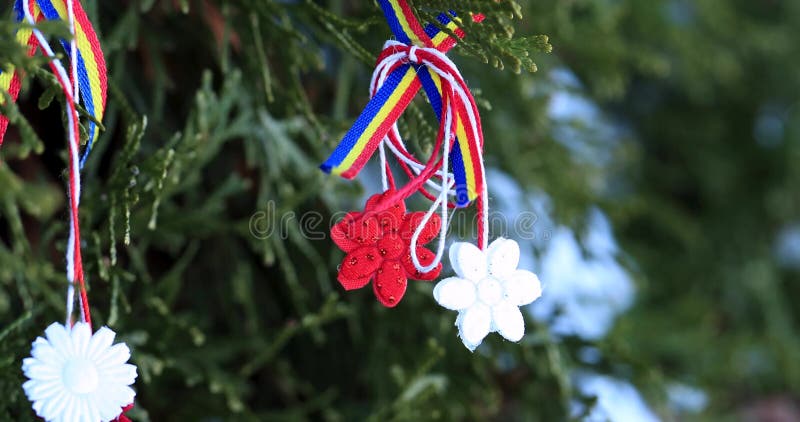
pixel 416 59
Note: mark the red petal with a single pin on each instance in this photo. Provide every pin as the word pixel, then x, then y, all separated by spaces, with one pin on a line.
pixel 425 258
pixel 391 218
pixel 358 267
pixel 340 231
pixel 391 246
pixel 428 233
pixel 356 232
pixel 390 283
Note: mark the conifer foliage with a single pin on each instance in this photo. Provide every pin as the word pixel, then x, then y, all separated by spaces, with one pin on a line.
pixel 206 217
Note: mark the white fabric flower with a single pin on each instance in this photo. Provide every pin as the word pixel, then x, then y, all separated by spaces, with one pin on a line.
pixel 488 291
pixel 77 376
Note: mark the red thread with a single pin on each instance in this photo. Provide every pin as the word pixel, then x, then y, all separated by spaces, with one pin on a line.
pixel 73 190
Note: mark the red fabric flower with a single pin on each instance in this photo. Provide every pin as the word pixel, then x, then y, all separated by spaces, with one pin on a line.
pixel 378 245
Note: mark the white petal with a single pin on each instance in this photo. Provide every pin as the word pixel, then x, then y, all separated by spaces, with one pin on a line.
pixel 474 324
pixel 101 341
pixel 503 256
pixel 81 335
pixel 41 371
pixel 114 355
pixel 93 413
pixel 86 410
pixel 44 351
pixel 522 287
pixel 40 390
pixel 454 293
pixel 507 320
pixel 468 261
pixel 59 338
pixel 54 406
pixel 123 396
pixel 71 411
pixel 118 375
pixel 37 407
pixel 107 405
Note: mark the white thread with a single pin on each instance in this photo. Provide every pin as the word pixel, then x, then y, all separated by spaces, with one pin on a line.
pixel 73 150
pixel 384 166
pixel 389 61
pixel 442 199
pixel 484 203
pixel 379 77
pixel 76 97
pixel 70 304
pixel 412 54
pixel 418 168
pixel 453 77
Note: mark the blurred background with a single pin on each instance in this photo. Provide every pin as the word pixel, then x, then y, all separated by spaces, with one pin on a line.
pixel 652 153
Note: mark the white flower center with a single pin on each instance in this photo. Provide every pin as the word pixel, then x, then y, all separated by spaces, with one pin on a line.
pixel 80 376
pixel 490 291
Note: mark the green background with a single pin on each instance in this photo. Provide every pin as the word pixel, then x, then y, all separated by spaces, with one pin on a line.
pixel 679 122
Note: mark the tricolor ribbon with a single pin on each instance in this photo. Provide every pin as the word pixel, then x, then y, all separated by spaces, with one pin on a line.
pixel 89 74
pixel 416 60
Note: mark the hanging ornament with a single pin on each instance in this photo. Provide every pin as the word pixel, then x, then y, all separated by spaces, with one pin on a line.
pixel 488 289
pixel 74 375
pixel 378 247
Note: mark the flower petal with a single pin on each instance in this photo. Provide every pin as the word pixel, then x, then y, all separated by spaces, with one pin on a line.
pixel 391 246
pixel 390 283
pixel 81 335
pixel 474 324
pixel 522 287
pixel 57 336
pixel 113 357
pixel 503 257
pixel 107 409
pixel 507 320
pixel 100 342
pixel 44 351
pixel 71 411
pixel 468 261
pixel 454 293
pixel 92 412
pixel 358 267
pixel 429 231
pixel 54 406
pixel 40 390
pixel 391 218
pixel 118 375
pixel 425 257
pixel 341 232
pixel 42 371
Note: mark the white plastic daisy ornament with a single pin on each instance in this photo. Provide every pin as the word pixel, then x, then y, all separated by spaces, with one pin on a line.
pixel 488 291
pixel 77 376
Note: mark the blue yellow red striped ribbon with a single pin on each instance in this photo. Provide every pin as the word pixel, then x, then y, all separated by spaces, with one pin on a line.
pixel 393 97
pixel 91 72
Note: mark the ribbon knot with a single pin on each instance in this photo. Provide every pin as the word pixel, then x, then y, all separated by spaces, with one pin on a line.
pixel 416 59
pixel 412 54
